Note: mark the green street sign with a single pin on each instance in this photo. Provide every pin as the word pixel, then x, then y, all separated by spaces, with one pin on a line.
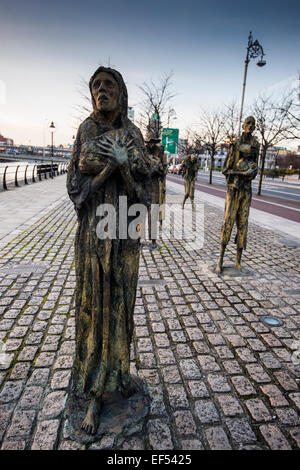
pixel 170 140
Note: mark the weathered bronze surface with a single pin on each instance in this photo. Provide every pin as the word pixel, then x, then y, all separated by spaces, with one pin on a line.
pixel 155 153
pixel 240 168
pixel 108 161
pixel 190 173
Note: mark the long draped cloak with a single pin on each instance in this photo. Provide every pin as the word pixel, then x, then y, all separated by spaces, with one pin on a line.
pixel 238 196
pixel 106 270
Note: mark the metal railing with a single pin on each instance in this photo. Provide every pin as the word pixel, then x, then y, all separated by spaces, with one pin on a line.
pixel 25 173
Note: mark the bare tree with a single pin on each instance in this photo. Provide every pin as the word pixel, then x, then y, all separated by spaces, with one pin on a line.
pixel 275 123
pixel 231 121
pixel 211 134
pixel 84 107
pixel 194 142
pixel 156 98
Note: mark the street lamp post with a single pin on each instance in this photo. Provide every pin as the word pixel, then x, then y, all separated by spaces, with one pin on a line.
pixel 52 127
pixel 254 49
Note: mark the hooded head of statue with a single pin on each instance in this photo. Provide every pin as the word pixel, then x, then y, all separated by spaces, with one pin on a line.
pixel 109 93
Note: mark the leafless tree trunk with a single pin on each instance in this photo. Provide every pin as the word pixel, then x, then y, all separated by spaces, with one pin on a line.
pixel 274 124
pixel 231 121
pixel 211 133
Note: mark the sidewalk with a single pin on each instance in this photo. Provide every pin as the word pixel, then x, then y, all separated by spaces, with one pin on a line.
pixel 219 378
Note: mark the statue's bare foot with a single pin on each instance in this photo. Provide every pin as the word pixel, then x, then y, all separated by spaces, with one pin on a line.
pixel 219 269
pixel 238 266
pixel 91 420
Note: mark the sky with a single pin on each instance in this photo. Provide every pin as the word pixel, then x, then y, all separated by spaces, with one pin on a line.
pixel 49 47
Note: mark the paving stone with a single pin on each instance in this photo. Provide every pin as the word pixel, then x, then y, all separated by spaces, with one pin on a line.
pixel 232 367
pixel 286 381
pixel 13 445
pixel 166 356
pixel 185 423
pixel 288 416
pixel 208 363
pixel 241 431
pixel 217 439
pixel 11 391
pixel 28 353
pixel 218 383
pixel 295 434
pixel 270 361
pixel 177 396
pixel 274 437
pixel 21 424
pixel 31 398
pixel 258 410
pixel 12 344
pixel 246 355
pixel 53 405
pixel 190 369
pixel 257 373
pixel 296 399
pixel 243 385
pixel 20 370
pixel 39 377
pixel 274 395
pixel 45 359
pixel 5 417
pixel 230 405
pixel 63 362
pixel 206 411
pixel 198 389
pixel 191 444
pixel 159 435
pixel 46 435
pixel 171 374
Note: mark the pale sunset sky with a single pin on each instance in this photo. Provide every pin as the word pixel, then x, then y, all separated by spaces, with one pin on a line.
pixel 48 46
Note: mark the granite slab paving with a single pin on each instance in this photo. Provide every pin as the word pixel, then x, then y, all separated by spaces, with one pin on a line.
pixel 219 378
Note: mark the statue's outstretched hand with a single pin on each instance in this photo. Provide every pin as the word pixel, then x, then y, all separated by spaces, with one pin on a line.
pixel 117 151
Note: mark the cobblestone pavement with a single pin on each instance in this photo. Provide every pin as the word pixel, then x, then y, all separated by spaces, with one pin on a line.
pixel 219 377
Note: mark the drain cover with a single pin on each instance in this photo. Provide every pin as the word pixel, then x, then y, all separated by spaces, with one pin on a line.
pixel 272 321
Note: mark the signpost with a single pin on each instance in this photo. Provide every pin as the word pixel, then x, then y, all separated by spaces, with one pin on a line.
pixel 170 140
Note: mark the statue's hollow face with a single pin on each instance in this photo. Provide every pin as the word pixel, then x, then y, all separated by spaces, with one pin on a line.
pixel 106 92
pixel 249 125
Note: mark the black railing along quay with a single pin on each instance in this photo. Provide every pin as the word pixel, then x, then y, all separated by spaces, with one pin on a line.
pixel 25 173
pixel 4 157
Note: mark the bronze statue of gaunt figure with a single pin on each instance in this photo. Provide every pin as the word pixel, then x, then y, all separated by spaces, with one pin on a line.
pixel 240 168
pixel 108 161
pixel 190 174
pixel 155 154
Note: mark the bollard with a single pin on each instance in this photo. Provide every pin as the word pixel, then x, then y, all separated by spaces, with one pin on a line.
pixel 4 178
pixel 25 176
pixel 39 171
pixel 33 178
pixel 16 176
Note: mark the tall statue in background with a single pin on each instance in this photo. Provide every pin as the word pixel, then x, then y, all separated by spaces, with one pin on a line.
pixel 190 174
pixel 162 187
pixel 108 162
pixel 155 153
pixel 240 168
